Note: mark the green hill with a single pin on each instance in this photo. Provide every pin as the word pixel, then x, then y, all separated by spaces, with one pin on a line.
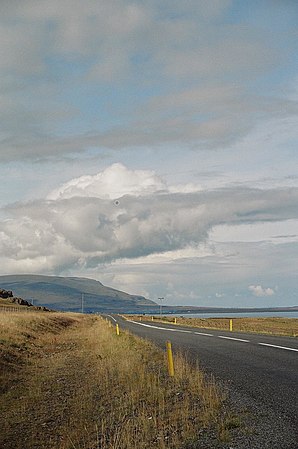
pixel 69 293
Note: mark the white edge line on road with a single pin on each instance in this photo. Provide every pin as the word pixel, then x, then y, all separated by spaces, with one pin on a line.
pixel 203 333
pixel 161 328
pixel 148 325
pixel 279 347
pixel 231 338
pixel 112 318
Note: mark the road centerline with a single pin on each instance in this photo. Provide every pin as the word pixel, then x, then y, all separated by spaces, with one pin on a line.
pixel 203 333
pixel 279 347
pixel 233 338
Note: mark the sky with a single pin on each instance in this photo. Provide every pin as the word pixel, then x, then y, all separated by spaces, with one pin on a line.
pixel 152 146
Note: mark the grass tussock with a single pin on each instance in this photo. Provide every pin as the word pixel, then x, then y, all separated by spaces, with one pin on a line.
pixel 76 384
pixel 273 326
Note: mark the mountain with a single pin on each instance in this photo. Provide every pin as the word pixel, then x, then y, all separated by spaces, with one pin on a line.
pixel 71 293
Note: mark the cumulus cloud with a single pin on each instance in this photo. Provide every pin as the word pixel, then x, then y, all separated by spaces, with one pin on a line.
pixel 219 295
pixel 80 224
pixel 111 183
pixel 258 290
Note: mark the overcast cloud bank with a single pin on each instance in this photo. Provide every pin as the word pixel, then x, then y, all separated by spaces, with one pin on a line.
pixel 184 74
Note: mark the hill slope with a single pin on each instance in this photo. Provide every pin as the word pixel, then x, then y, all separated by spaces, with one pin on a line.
pixel 65 293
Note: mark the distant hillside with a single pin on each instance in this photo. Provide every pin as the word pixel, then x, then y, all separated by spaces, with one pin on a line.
pixel 65 293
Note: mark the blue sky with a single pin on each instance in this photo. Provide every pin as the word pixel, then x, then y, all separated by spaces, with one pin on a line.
pixel 152 146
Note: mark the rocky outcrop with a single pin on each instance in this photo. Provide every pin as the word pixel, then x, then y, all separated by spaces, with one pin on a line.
pixel 8 294
pixel 21 302
pixel 4 294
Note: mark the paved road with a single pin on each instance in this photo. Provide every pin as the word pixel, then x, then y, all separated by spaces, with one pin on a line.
pixel 261 372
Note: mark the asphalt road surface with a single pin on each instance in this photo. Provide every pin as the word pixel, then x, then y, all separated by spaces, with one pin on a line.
pixel 260 373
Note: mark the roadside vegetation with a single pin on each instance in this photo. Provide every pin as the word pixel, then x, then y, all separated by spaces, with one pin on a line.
pixel 273 326
pixel 68 381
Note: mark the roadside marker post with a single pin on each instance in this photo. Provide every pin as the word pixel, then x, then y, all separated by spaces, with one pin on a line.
pixel 117 329
pixel 175 320
pixel 170 359
pixel 231 325
pixel 152 318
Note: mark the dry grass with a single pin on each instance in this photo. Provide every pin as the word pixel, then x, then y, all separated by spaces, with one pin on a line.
pixel 273 326
pixel 69 382
pixel 21 335
pixel 6 304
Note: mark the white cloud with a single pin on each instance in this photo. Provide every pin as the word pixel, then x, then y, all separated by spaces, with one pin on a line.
pixel 114 182
pixel 258 290
pixel 219 295
pixel 80 223
pixel 274 231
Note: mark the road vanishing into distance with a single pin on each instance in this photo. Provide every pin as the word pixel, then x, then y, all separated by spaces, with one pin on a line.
pixel 260 373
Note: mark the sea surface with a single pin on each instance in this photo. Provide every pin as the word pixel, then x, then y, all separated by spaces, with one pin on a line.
pixel 239 315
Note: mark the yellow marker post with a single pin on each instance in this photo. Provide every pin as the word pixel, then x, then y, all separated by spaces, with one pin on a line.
pixel 152 318
pixel 175 320
pixel 170 359
pixel 231 325
pixel 117 329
